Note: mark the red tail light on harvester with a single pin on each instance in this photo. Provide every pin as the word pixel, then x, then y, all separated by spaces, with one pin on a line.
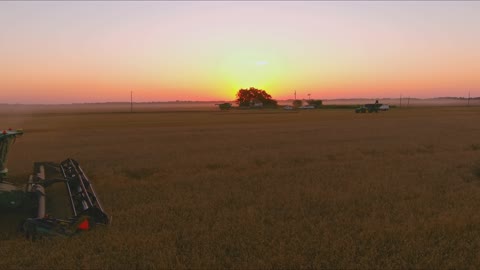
pixel 84 226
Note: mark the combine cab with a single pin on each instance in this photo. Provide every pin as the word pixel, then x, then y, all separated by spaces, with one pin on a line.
pixel 80 205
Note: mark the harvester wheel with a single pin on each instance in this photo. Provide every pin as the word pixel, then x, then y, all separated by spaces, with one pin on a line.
pixel 21 227
pixel 30 231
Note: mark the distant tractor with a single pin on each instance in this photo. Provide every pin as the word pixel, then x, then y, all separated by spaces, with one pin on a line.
pixel 361 109
pixel 375 107
pixel 224 106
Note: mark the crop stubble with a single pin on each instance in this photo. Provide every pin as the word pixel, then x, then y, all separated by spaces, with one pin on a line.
pixel 262 189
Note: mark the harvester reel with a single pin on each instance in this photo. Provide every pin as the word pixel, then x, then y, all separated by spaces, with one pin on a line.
pixel 84 206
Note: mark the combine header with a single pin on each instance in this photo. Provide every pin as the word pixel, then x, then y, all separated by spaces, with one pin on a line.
pixel 83 208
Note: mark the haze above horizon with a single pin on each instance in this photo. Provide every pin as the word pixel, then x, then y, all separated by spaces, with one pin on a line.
pixel 74 52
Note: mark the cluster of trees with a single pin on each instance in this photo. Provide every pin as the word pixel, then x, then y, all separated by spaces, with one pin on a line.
pixel 248 97
pixel 252 96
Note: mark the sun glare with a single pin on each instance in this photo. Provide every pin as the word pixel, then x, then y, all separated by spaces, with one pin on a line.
pixel 250 68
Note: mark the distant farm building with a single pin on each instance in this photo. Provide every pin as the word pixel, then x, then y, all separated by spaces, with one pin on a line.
pixel 256 103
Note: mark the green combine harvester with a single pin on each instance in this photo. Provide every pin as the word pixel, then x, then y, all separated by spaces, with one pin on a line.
pixel 374 107
pixel 81 205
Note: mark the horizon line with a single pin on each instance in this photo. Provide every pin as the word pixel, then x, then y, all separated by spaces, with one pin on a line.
pixel 212 101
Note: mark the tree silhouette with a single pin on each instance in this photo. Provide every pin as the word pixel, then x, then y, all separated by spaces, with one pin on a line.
pixel 297 103
pixel 317 103
pixel 245 97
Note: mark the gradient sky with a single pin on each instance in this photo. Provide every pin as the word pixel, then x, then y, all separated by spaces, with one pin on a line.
pixel 64 52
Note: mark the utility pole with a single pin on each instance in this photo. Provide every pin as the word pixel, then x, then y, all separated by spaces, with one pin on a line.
pixel 131 101
pixel 468 100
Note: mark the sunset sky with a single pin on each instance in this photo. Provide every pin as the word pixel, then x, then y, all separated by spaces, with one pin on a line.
pixel 67 52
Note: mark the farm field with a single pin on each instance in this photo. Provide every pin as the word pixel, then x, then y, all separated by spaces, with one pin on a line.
pixel 204 188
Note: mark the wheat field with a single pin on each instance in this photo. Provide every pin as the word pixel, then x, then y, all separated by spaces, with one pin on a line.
pixel 262 189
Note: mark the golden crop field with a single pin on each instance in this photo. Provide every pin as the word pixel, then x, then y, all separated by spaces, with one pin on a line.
pixel 261 189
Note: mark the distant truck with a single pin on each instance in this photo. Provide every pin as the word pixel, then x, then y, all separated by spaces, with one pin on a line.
pixel 306 107
pixel 384 107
